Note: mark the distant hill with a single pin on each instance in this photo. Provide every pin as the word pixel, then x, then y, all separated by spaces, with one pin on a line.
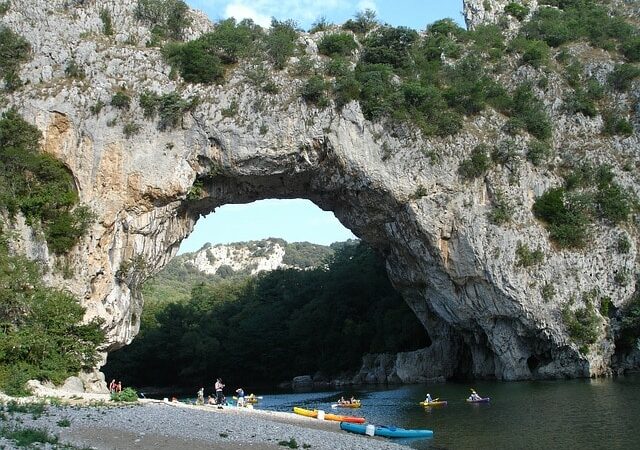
pixel 215 262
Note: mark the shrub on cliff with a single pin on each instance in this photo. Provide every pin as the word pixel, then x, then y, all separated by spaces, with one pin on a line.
pixel 14 50
pixel 280 42
pixel 167 18
pixel 41 330
pixel 39 186
pixel 337 44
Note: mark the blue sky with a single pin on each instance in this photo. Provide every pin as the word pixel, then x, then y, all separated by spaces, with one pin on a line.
pixel 416 14
pixel 299 220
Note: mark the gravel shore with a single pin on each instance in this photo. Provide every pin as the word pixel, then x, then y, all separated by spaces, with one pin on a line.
pixel 158 425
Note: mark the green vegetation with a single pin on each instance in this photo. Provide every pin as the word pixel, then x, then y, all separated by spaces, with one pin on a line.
pixel 127 395
pixel 623 245
pixel 74 70
pixel 538 152
pixel 338 44
pixel 39 186
pixel 107 23
pixel 630 329
pixel 41 335
pixel 121 100
pixel 291 443
pixel 280 42
pixel 581 19
pixel 271 327
pixel 26 437
pixel 313 91
pixel 63 423
pixel 527 257
pixel 4 7
pixel 590 193
pixel 14 50
pixel 363 22
pixel 166 18
pixel 547 292
pixel 517 10
pixel 477 164
pixel 615 125
pixel 622 76
pixel 130 129
pixel 169 107
pixel 527 112
pixel 501 210
pixel 583 323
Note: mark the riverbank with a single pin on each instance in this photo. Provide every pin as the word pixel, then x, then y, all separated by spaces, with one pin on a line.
pixel 152 424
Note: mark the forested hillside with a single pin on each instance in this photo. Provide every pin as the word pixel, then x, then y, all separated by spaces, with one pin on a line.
pixel 269 328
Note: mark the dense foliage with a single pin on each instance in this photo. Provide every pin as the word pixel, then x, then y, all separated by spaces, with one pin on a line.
pixel 590 193
pixel 273 327
pixel 41 335
pixel 14 50
pixel 39 186
pixel 166 18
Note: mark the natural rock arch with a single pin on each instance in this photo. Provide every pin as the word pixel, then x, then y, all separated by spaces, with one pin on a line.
pixel 395 189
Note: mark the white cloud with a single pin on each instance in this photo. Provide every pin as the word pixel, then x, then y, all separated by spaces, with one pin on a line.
pixel 240 11
pixel 261 11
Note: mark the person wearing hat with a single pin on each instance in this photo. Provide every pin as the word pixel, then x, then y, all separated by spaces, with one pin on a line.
pixel 474 396
pixel 428 399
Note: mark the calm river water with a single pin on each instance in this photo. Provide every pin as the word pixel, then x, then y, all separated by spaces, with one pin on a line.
pixel 575 414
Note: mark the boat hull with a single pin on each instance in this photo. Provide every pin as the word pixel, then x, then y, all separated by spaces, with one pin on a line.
pixel 482 400
pixel 389 432
pixel 328 416
pixel 434 403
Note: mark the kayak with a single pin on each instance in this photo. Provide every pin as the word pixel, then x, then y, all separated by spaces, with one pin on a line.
pixel 482 400
pixel 390 432
pixel 327 416
pixel 251 399
pixel 349 405
pixel 434 403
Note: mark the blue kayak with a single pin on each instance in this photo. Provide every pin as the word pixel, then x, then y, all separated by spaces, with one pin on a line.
pixel 390 432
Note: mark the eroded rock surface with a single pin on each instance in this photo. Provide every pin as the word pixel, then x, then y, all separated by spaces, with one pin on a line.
pixel 398 191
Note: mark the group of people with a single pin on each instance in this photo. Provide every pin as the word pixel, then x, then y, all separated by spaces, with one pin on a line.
pixel 115 387
pixel 472 398
pixel 219 398
pixel 350 401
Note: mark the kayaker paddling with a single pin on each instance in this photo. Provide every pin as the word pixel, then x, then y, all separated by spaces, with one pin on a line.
pixel 474 397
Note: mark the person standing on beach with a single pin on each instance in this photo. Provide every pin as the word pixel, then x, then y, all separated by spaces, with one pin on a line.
pixel 219 386
pixel 119 386
pixel 240 393
pixel 200 400
pixel 112 386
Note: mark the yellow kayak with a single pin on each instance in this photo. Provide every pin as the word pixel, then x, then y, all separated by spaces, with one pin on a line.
pixel 434 403
pixel 328 416
pixel 349 405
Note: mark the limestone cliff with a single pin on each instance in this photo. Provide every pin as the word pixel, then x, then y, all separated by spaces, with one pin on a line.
pixel 485 315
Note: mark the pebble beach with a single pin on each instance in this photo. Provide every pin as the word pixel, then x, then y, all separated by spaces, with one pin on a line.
pixel 153 424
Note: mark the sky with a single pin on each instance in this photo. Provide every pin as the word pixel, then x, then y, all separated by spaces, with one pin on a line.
pixel 300 220
pixel 416 14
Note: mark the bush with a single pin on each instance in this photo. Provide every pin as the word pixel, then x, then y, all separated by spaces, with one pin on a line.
pixel 322 24
pixel 631 49
pixel 364 22
pixel 313 91
pixel 338 44
pixel 566 219
pixel 127 395
pixel 194 62
pixel 43 334
pixel 623 245
pixel 579 101
pixel 231 41
pixel 389 45
pixel 517 10
pixel 614 125
pixel 171 109
pixel 538 152
pixel 73 70
pixel 582 325
pixel 14 50
pixel 529 111
pixel 280 42
pixel 534 52
pixel 477 164
pixel 167 18
pixel 130 129
pixel 526 257
pixel 107 23
pixel 622 76
pixel 502 211
pixel 38 185
pixel 121 100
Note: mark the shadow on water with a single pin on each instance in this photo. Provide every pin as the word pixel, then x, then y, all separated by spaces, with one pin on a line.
pixel 601 413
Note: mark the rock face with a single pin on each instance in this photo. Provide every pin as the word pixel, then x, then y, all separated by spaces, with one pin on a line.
pixel 246 257
pixel 484 315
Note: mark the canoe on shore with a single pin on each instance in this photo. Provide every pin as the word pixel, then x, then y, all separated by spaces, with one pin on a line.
pixel 434 403
pixel 390 432
pixel 481 400
pixel 327 416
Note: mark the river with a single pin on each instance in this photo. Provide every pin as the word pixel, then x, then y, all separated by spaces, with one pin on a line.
pixel 572 414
